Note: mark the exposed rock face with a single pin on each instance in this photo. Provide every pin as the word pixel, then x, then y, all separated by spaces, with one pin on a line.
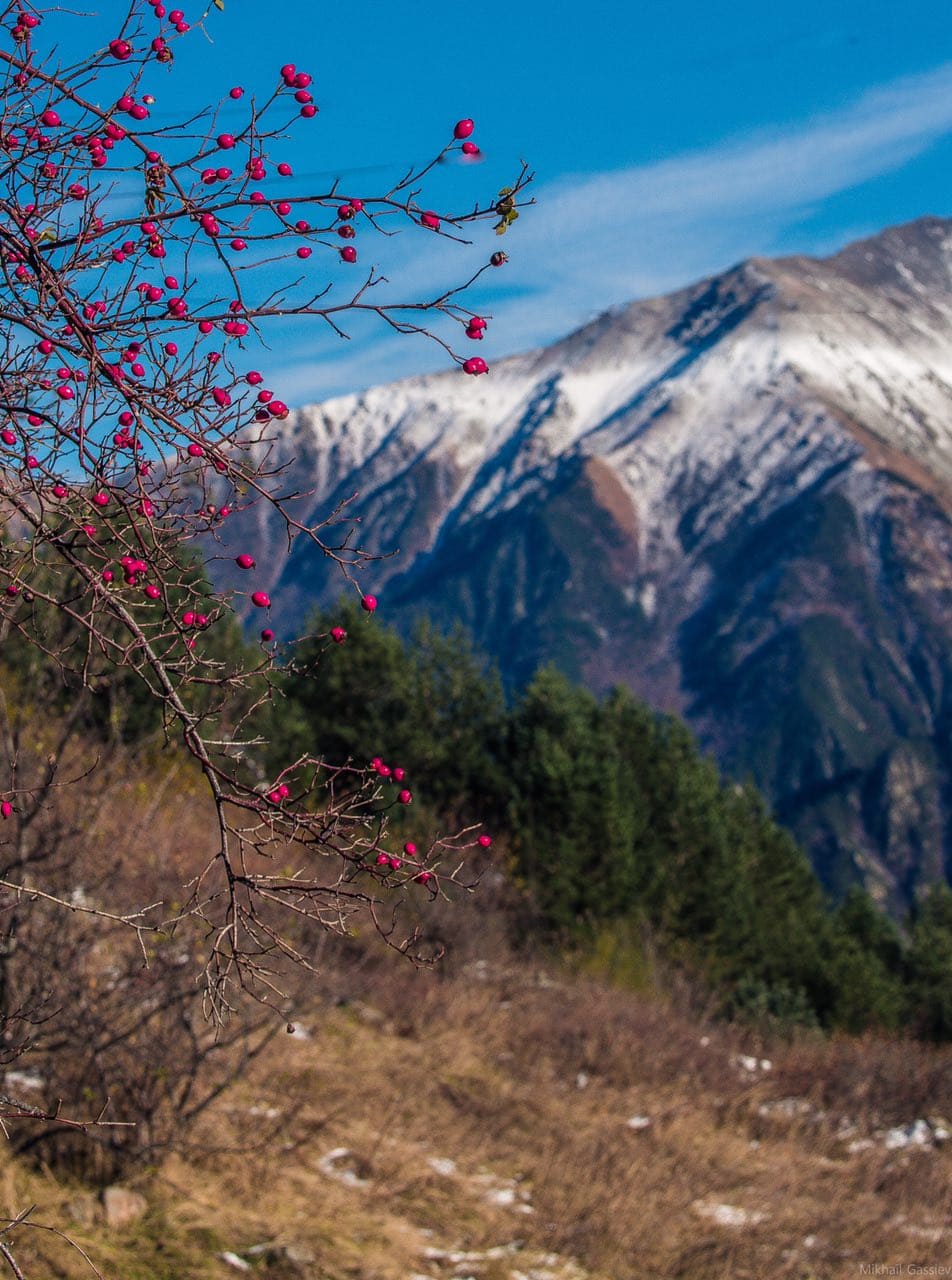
pixel 736 499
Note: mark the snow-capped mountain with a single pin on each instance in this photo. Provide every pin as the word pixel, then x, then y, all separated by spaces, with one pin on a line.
pixel 736 499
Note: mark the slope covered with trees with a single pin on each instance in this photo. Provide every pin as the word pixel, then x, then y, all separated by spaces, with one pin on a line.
pixel 621 834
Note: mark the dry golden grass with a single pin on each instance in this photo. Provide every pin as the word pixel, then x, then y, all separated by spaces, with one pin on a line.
pixel 484 1110
pixel 482 1069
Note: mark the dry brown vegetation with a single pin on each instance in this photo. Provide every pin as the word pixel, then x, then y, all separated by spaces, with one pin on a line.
pixel 475 1121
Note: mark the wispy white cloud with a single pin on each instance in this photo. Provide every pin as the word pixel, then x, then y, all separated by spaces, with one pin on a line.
pixel 597 240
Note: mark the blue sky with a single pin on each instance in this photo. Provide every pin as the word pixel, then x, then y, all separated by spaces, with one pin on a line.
pixel 668 141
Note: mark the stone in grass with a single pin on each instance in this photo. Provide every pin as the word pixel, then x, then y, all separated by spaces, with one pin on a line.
pixel 122 1206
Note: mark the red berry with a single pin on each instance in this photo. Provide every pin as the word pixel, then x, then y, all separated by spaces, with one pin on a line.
pixel 405 797
pixel 267 635
pixel 338 635
pixel 244 561
pixel 226 141
pixel 410 849
pixel 475 365
pixel 348 253
pixel 261 600
pixel 463 128
pixel 430 219
pixel 236 92
pixel 470 149
pixel 120 49
pixel 484 841
pixel 368 603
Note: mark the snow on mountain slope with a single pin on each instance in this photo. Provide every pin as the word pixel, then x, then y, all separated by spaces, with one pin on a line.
pixel 735 499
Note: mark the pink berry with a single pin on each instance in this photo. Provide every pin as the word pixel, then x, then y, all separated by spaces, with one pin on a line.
pixel 470 149
pixel 430 219
pixel 410 849
pixel 236 93
pixel 244 561
pixel 120 49
pixel 226 141
pixel 338 635
pixel 101 499
pixel 348 253
pixel 475 365
pixel 304 251
pixel 399 774
pixel 253 378
pixel 152 591
pixel 285 169
pixel 195 451
pixel 484 841
pixel 463 128
pixel 405 797
pixel 267 635
pixel 368 603
pixel 261 600
pixel 6 809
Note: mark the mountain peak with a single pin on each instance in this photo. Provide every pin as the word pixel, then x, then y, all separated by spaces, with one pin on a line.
pixel 734 499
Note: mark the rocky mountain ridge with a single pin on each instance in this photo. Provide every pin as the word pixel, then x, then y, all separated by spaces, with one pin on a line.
pixel 735 499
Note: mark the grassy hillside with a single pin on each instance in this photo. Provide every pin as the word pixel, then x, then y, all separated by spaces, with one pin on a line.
pixel 502 1121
